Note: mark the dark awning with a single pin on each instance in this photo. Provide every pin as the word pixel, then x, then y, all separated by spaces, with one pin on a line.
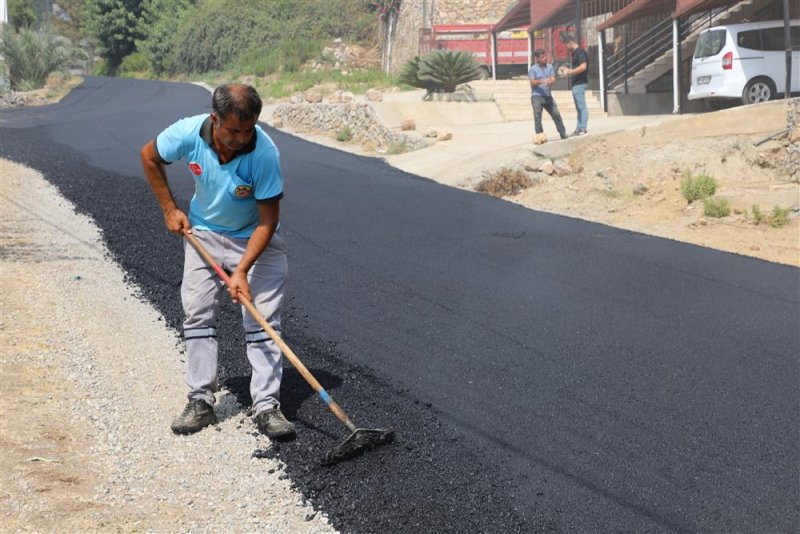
pixel 546 13
pixel 636 10
pixel 688 7
pixel 519 16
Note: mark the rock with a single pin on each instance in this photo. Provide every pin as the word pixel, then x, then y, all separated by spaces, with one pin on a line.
pixel 335 97
pixel 347 97
pixel 534 164
pixel 297 98
pixel 444 135
pixel 277 122
pixel 373 95
pixel 640 189
pixel 562 168
pixel 431 133
pixel 539 139
pixel 313 96
pixel 408 124
pixel 548 167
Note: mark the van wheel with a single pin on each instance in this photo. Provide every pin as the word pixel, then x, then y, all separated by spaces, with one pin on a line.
pixel 484 73
pixel 758 90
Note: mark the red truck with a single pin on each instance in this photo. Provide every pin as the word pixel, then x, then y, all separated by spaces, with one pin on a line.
pixel 512 46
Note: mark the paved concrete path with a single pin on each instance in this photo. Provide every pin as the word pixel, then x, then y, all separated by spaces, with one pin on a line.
pixel 542 372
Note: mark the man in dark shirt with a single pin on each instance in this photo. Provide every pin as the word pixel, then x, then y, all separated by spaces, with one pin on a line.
pixel 580 80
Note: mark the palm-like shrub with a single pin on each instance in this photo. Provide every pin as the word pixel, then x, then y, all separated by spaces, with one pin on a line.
pixel 440 71
pixel 447 69
pixel 410 76
pixel 31 56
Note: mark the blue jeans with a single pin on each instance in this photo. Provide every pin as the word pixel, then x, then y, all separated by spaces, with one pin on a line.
pixel 579 96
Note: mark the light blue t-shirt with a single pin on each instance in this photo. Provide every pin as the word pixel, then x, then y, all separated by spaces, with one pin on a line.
pixel 537 72
pixel 225 194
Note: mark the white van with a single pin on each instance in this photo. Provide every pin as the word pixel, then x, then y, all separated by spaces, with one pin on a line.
pixel 744 61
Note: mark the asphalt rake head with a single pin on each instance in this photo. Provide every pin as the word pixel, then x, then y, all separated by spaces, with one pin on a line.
pixel 360 441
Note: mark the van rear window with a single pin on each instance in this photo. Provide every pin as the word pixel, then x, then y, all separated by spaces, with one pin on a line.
pixel 710 43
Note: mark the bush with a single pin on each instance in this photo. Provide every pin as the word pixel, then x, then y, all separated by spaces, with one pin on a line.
pixel 399 147
pixel 698 187
pixel 758 217
pixel 345 134
pixel 505 182
pixel 133 64
pixel 779 217
pixel 440 71
pixel 216 34
pixel 716 207
pixel 287 56
pixel 31 56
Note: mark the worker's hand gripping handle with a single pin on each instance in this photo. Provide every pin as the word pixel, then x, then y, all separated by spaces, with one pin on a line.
pixel 251 309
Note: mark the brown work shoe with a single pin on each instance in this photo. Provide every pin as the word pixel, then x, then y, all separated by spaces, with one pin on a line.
pixel 197 415
pixel 273 423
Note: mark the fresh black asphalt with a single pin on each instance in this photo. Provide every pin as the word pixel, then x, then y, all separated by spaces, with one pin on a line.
pixel 541 372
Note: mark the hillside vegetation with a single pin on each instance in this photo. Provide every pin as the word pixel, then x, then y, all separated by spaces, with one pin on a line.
pixel 280 46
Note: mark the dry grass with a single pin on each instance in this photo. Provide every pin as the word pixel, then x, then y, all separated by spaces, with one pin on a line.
pixel 505 182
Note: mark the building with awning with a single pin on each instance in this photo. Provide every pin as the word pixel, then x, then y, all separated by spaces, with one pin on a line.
pixel 643 48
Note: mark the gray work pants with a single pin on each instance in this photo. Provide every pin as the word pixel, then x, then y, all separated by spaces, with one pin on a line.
pixel 548 103
pixel 201 292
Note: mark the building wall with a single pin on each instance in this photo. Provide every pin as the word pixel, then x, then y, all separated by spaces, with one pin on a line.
pixel 415 13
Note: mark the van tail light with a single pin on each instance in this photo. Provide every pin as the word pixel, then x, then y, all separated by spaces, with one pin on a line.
pixel 727 61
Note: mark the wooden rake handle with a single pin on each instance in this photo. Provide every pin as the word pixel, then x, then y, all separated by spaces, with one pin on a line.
pixel 295 361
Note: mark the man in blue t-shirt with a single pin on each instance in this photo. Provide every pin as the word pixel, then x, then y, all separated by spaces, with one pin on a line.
pixel 542 76
pixel 580 81
pixel 234 213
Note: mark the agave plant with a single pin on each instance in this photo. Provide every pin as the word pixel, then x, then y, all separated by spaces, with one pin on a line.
pixel 446 69
pixel 410 76
pixel 31 56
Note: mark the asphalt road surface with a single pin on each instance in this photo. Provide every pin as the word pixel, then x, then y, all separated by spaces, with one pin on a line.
pixel 541 372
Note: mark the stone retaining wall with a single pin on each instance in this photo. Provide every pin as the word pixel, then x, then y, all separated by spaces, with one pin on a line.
pixel 365 126
pixel 414 13
pixel 793 144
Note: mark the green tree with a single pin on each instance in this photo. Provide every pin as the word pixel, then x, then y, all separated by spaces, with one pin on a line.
pixel 32 55
pixel 21 14
pixel 158 27
pixel 114 24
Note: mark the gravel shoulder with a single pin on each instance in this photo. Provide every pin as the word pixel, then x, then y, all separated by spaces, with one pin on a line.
pixel 91 379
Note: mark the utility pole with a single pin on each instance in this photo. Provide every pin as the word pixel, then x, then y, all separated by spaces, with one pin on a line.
pixel 787 39
pixel 579 17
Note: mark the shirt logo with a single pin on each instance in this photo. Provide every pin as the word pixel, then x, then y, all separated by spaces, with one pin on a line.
pixel 243 191
pixel 196 169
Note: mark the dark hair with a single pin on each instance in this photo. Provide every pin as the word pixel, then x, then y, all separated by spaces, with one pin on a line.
pixel 239 99
pixel 568 38
pixel 539 52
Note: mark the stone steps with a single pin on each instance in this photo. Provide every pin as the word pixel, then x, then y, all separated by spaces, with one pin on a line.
pixel 514 101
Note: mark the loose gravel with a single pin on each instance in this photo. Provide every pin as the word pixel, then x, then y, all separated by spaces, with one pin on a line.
pixel 123 384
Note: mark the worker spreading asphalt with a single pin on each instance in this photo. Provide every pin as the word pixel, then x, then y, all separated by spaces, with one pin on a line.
pixel 540 373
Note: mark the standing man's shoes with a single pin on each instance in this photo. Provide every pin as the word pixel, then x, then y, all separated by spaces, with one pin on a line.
pixel 273 423
pixel 578 132
pixel 197 415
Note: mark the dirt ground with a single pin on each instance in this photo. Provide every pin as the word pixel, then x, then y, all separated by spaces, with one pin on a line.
pixel 632 180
